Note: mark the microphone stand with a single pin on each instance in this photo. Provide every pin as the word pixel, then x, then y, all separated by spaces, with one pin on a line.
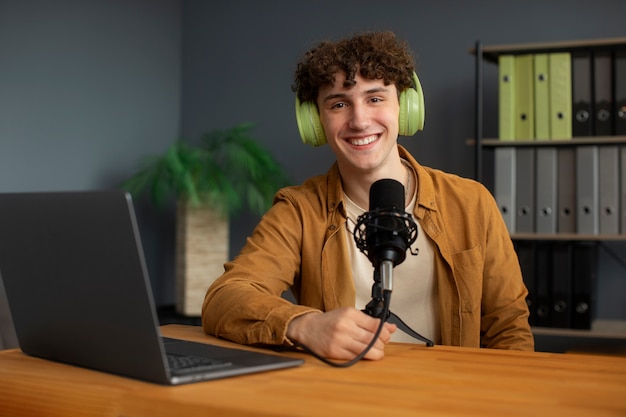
pixel 383 277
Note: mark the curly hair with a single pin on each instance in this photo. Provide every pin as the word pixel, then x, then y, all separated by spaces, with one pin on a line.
pixel 376 55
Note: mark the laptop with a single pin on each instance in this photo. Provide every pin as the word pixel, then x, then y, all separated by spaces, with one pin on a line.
pixel 76 281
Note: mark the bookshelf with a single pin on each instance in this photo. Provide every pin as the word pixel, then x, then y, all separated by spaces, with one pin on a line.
pixel 486 147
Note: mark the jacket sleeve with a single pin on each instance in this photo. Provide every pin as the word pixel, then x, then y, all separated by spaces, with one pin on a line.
pixel 245 305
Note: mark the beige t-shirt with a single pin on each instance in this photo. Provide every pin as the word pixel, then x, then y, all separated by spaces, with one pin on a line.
pixel 414 293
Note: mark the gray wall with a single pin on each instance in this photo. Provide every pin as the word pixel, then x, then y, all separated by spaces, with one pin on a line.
pixel 87 87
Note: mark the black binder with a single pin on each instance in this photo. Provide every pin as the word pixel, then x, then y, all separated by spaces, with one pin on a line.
pixel 561 284
pixel 584 270
pixel 581 94
pixel 543 271
pixel 619 70
pixel 603 93
pixel 526 256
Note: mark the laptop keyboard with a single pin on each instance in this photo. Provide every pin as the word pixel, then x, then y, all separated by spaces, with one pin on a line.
pixel 190 363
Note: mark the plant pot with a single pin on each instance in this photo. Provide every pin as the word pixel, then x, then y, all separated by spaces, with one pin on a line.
pixel 202 242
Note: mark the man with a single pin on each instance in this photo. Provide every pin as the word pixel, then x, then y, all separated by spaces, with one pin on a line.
pixel 463 288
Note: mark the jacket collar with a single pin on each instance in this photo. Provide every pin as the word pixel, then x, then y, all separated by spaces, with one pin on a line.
pixel 426 197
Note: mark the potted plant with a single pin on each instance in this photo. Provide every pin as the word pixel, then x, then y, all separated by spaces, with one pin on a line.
pixel 226 172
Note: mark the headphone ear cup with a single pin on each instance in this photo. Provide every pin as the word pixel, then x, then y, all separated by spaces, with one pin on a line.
pixel 411 118
pixel 309 124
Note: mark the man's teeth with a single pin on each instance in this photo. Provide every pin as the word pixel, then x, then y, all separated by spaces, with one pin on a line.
pixel 363 141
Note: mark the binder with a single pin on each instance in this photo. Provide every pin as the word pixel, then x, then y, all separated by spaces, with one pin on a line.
pixel 581 94
pixel 524 97
pixel 504 186
pixel 546 190
pixel 506 97
pixel 560 75
pixel 619 69
pixel 602 90
pixel 584 270
pixel 566 190
pixel 543 270
pixel 608 180
pixel 525 190
pixel 542 97
pixel 587 190
pixel 561 294
pixel 622 182
pixel 526 255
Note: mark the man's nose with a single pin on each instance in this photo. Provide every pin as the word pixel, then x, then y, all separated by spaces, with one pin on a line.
pixel 359 117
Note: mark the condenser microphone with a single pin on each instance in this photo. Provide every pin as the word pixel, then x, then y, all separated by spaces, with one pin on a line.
pixel 383 234
pixel 386 231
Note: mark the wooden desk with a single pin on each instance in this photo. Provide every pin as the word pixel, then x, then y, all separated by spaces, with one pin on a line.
pixel 411 380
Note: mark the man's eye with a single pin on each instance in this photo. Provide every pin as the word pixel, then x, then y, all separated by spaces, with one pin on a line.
pixel 338 105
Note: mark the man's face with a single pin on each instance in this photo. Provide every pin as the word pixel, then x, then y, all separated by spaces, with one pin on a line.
pixel 360 123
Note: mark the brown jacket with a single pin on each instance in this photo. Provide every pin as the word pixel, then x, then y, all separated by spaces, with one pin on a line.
pixel 300 244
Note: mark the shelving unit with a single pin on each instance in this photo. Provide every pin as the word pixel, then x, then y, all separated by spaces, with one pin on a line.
pixel 612 338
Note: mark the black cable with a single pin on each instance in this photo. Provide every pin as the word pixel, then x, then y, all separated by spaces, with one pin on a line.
pixel 384 314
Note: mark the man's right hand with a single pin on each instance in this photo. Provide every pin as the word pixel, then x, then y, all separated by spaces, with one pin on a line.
pixel 340 334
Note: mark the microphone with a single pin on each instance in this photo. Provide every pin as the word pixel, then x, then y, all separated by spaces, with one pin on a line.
pixel 385 232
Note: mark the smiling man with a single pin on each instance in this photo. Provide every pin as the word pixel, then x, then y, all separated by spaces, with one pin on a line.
pixel 463 288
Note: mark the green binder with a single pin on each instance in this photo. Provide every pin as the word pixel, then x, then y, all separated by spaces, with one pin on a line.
pixel 542 97
pixel 524 97
pixel 560 95
pixel 506 97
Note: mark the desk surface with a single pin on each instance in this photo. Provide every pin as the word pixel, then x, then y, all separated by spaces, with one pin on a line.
pixel 411 380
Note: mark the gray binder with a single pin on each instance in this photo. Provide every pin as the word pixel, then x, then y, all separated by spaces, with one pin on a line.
pixel 566 190
pixel 525 190
pixel 587 190
pixel 623 189
pixel 608 179
pixel 546 183
pixel 504 186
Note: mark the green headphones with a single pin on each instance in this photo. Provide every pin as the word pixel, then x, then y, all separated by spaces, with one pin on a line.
pixel 410 120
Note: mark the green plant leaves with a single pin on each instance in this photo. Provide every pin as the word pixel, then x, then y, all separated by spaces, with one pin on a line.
pixel 229 171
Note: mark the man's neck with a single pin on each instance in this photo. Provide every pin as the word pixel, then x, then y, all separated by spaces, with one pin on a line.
pixel 357 184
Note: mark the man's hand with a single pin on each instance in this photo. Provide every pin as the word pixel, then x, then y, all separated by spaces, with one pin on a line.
pixel 340 334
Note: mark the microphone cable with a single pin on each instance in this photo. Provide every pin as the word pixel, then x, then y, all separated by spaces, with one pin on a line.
pixel 384 314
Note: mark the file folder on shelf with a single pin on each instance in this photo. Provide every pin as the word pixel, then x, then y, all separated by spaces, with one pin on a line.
pixel 524 97
pixel 566 190
pixel 603 90
pixel 584 269
pixel 504 186
pixel 542 97
pixel 525 190
pixel 619 68
pixel 526 255
pixel 581 94
pixel 608 180
pixel 543 270
pixel 560 74
pixel 561 290
pixel 623 189
pixel 546 190
pixel 587 190
pixel 506 97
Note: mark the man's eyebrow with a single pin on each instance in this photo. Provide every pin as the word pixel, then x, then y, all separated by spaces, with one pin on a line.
pixel 375 90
